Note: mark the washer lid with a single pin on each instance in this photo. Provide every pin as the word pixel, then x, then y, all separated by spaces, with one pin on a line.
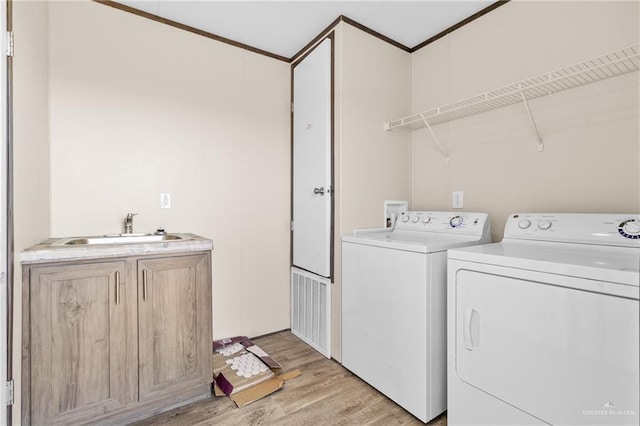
pixel 610 264
pixel 420 242
pixel 427 232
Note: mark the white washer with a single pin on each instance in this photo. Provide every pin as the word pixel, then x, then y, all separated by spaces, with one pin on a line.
pixel 393 305
pixel 543 327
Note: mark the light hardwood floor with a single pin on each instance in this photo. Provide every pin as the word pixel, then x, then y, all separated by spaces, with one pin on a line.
pixel 325 394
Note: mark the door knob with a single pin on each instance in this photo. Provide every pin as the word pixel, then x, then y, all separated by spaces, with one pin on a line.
pixel 318 191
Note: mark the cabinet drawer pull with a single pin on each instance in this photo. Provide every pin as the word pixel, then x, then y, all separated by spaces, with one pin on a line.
pixel 144 284
pixel 117 288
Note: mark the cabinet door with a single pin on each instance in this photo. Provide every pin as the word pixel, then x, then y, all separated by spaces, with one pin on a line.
pixel 174 320
pixel 77 342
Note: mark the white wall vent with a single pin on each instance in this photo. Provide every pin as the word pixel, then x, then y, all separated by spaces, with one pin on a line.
pixel 311 310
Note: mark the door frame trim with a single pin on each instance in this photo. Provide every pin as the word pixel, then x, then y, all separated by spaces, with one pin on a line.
pixel 8 225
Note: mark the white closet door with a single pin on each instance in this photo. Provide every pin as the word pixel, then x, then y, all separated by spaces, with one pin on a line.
pixel 312 161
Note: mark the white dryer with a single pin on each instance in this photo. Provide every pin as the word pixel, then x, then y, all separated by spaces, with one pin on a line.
pixel 543 328
pixel 393 305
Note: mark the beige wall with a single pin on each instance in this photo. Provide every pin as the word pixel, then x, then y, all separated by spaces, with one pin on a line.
pixel 139 108
pixel 591 157
pixel 372 165
pixel 31 150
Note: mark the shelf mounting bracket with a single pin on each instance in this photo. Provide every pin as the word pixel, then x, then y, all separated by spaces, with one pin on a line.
pixel 435 138
pixel 533 122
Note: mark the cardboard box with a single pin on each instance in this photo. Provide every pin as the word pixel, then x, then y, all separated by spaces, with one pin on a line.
pixel 244 372
pixel 263 389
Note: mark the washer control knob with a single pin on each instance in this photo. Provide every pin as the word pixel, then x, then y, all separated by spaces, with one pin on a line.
pixel 630 229
pixel 415 219
pixel 524 224
pixel 544 224
pixel 456 221
pixel 426 219
pixel 405 218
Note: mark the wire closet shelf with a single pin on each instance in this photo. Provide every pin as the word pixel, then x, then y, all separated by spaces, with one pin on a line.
pixel 603 67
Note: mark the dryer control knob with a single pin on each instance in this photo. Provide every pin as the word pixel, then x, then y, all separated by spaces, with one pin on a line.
pixel 524 224
pixel 405 218
pixel 544 224
pixel 426 219
pixel 632 228
pixel 456 221
pixel 415 219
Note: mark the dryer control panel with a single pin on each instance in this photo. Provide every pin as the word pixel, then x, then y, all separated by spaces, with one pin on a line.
pixel 603 229
pixel 464 223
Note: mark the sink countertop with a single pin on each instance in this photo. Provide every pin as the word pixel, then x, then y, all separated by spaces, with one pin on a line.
pixel 46 251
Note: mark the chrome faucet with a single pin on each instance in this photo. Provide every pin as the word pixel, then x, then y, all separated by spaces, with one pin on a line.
pixel 128 223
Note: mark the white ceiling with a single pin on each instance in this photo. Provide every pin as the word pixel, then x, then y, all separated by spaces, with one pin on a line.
pixel 285 27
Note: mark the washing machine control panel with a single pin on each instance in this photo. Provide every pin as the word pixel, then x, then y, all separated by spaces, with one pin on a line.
pixel 603 229
pixel 449 222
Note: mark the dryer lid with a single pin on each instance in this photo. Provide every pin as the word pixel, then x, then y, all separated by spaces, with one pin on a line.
pixel 610 264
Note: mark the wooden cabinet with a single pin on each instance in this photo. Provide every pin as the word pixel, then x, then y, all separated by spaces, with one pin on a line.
pixel 115 340
pixel 78 347
pixel 174 346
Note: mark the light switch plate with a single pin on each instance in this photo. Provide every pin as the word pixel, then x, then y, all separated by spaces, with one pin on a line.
pixel 165 200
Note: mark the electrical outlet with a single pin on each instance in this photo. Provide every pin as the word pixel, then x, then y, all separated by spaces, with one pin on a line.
pixel 165 200
pixel 458 199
